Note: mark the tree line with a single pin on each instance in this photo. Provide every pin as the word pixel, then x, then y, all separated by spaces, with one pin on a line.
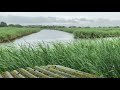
pixel 4 24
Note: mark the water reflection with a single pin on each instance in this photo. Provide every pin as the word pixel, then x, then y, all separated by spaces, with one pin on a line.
pixel 46 36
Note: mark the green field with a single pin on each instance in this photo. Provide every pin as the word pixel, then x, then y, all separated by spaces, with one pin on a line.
pixel 101 58
pixel 92 32
pixel 11 33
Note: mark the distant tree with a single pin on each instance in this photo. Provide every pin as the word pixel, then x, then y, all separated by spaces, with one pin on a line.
pixel 62 26
pixel 3 24
pixel 110 27
pixel 72 26
pixel 11 25
pixel 99 27
pixel 116 26
pixel 87 27
pixel 18 25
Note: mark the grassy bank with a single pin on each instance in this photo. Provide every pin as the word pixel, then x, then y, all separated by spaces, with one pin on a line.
pixel 92 32
pixel 11 33
pixel 100 58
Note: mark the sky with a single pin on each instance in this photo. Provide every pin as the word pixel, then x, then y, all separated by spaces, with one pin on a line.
pixel 63 18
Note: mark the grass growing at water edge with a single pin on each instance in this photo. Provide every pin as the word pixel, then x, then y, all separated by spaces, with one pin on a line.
pixel 92 32
pixel 11 33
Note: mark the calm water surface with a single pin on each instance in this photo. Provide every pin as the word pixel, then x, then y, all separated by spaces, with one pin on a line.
pixel 46 36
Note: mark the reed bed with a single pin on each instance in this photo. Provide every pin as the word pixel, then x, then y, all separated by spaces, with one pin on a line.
pixel 99 57
pixel 92 32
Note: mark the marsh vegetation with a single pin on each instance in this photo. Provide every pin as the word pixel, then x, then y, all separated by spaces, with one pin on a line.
pixel 100 57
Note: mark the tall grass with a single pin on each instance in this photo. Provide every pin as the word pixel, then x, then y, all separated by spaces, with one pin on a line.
pixel 92 32
pixel 10 33
pixel 96 34
pixel 96 57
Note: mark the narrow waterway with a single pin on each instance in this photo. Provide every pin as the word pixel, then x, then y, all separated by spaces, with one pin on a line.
pixel 46 36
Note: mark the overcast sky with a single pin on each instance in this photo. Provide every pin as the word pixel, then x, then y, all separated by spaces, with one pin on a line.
pixel 89 15
pixel 68 18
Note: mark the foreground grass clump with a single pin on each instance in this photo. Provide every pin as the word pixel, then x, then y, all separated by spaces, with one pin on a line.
pixel 101 58
pixel 11 33
pixel 92 32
